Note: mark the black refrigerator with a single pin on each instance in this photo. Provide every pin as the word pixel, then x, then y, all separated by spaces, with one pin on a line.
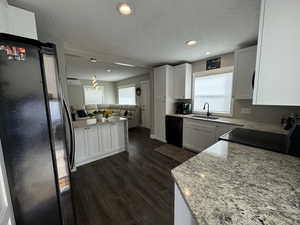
pixel 33 133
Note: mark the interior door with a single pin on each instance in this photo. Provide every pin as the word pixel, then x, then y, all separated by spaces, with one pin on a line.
pixel 6 210
pixel 145 104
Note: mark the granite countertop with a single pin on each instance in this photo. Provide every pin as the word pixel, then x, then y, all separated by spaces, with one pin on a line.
pixel 235 184
pixel 83 122
pixel 268 127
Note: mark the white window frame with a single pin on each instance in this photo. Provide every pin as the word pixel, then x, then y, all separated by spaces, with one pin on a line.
pixel 229 69
pixel 128 86
pixel 89 86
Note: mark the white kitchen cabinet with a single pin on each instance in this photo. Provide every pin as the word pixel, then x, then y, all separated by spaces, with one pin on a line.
pixel 105 136
pixel 277 67
pixel 92 141
pixel 17 21
pixel 163 99
pixel 80 146
pixel 117 135
pixel 198 135
pixel 98 141
pixel 244 72
pixel 182 213
pixel 183 81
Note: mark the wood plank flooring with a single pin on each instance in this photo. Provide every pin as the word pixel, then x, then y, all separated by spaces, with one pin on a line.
pixel 130 188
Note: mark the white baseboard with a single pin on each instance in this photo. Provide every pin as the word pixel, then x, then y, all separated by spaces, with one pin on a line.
pixel 152 136
pixel 100 157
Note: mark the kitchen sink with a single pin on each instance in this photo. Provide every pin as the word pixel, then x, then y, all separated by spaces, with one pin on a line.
pixel 206 117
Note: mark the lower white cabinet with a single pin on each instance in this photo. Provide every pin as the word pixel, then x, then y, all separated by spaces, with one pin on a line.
pixel 182 213
pixel 199 135
pixel 99 141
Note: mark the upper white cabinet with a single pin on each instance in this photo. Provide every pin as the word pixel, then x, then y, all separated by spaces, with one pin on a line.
pixel 277 68
pixel 17 21
pixel 244 71
pixel 163 99
pixel 182 81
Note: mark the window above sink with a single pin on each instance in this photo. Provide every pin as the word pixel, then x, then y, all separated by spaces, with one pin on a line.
pixel 215 88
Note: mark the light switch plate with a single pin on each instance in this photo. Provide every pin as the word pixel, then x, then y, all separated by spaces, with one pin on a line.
pixel 245 110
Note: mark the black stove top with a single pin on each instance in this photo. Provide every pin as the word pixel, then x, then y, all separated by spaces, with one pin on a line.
pixel 260 139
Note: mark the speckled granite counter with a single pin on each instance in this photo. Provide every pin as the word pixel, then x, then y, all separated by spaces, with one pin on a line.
pixel 83 123
pixel 234 184
pixel 275 128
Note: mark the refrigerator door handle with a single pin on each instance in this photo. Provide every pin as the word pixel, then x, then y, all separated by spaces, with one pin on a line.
pixel 72 137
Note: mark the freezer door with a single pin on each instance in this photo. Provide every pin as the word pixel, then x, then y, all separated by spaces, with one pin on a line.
pixel 63 161
pixel 24 133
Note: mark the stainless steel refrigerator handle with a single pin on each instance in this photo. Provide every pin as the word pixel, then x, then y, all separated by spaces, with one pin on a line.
pixel 72 149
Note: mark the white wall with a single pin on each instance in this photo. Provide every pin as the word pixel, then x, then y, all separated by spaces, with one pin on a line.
pixel 76 93
pixel 226 60
pixel 133 80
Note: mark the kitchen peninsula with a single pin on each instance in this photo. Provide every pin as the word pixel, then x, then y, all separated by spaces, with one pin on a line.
pixel 103 138
pixel 235 184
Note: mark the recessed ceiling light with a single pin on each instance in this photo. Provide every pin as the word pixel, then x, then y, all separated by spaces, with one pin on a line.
pixel 124 64
pixel 93 60
pixel 207 53
pixel 108 70
pixel 191 42
pixel 124 9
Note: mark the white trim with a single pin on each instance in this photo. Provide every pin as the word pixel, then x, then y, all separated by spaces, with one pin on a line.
pixel 126 86
pixel 123 149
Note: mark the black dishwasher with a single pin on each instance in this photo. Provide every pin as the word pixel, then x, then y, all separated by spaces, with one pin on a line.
pixel 174 128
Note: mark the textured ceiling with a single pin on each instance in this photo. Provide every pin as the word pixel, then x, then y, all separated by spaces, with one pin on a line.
pixel 155 33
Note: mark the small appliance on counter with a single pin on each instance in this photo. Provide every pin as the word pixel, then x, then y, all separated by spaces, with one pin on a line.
pixel 183 108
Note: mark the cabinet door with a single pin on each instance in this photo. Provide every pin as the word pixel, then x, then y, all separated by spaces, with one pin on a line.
pixel 182 213
pixel 182 81
pixel 92 138
pixel 21 22
pixel 117 136
pixel 81 153
pixel 106 141
pixel 244 71
pixel 198 137
pixel 277 70
pixel 179 82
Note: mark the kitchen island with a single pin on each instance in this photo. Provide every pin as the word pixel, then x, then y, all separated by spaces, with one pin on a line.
pixel 99 139
pixel 235 184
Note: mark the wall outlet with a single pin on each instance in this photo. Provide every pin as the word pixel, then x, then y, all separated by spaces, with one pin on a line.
pixel 245 110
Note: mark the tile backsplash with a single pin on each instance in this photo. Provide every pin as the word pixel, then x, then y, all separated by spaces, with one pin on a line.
pixel 269 114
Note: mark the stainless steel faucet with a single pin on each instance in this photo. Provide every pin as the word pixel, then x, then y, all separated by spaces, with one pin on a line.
pixel 208 114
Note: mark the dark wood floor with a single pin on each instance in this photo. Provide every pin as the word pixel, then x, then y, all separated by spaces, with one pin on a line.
pixel 130 188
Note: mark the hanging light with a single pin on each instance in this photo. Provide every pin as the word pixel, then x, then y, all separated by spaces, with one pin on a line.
pixel 94 82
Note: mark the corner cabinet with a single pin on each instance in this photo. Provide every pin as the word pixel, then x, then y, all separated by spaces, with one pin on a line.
pixel 244 72
pixel 183 81
pixel 277 69
pixel 99 141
